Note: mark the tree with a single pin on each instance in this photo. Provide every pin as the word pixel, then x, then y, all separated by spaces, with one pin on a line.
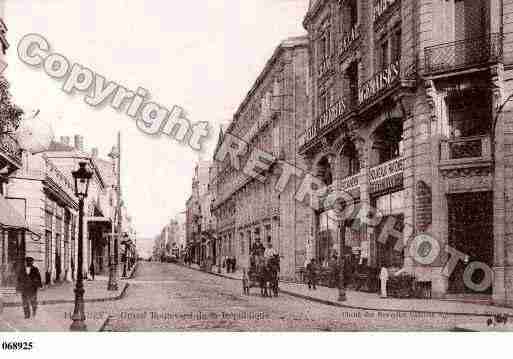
pixel 10 114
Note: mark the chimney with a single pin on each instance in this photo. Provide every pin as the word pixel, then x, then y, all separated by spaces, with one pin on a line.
pixel 79 143
pixel 65 140
pixel 94 152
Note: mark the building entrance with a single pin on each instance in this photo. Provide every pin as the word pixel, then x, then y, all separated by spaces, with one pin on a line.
pixel 470 232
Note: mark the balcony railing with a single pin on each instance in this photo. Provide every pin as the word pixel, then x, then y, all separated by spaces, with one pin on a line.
pixel 325 67
pixel 463 54
pixel 380 82
pixel 349 39
pixel 10 148
pixel 466 147
pixel 326 119
pixel 381 7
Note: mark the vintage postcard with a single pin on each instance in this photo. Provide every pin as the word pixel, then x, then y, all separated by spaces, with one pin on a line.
pixel 255 166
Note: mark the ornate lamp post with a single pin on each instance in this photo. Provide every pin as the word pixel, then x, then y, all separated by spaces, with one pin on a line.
pixel 82 176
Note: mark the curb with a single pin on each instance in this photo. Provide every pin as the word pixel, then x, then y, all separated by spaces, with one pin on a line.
pixel 62 301
pixel 340 305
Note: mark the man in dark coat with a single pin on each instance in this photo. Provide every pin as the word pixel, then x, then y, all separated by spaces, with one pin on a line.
pixel 29 281
pixel 311 271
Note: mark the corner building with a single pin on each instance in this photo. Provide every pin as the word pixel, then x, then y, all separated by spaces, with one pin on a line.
pixel 270 119
pixel 404 96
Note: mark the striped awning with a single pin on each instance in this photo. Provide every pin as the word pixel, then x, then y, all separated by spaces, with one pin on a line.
pixel 9 217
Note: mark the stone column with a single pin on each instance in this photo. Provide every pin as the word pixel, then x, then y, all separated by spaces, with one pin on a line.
pixel 367 238
pixel 503 192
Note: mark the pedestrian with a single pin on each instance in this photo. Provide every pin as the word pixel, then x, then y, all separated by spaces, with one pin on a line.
pixel 91 270
pixel 311 272
pixel 383 277
pixel 29 281
pixel 234 264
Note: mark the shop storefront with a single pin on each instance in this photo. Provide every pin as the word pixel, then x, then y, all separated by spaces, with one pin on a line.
pixel 13 230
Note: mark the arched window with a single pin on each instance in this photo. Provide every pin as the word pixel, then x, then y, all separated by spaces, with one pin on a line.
pixel 352 161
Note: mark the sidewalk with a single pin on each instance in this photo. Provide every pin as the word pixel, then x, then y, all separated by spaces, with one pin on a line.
pixel 57 316
pixel 372 301
pixel 95 291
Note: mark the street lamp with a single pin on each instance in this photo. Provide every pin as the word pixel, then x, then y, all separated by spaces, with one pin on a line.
pixel 125 258
pixel 82 176
pixel 112 284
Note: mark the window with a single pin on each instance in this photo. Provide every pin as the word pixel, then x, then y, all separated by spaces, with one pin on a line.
pixel 354 166
pixel 383 49
pixel 396 45
pixel 324 102
pixel 389 140
pixel 322 48
pixel 353 12
pixel 391 207
pixel 352 76
pixel 242 244
pixel 469 115
pixel 391 204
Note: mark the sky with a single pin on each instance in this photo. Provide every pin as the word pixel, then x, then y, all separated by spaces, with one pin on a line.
pixel 201 55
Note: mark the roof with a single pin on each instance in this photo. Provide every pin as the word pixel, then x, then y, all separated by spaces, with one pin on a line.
pixel 9 217
pixel 288 43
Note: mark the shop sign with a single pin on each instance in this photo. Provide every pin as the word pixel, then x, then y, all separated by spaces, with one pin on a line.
pixel 349 183
pixel 386 176
pixel 385 184
pixel 379 82
pixel 332 114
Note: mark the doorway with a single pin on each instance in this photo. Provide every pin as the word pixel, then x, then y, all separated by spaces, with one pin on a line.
pixel 470 232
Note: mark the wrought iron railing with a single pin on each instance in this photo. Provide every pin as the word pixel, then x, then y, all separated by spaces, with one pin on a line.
pixel 327 118
pixel 325 67
pixel 379 82
pixel 10 147
pixel 462 54
pixel 348 39
pixel 466 147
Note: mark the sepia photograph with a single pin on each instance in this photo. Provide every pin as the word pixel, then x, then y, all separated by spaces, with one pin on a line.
pixel 255 166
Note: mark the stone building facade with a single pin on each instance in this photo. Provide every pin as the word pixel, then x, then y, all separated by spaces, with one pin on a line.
pixel 270 119
pixel 408 117
pixel 43 191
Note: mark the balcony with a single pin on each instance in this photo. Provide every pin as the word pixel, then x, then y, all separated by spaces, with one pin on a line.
pixel 463 54
pixel 466 148
pixel 328 119
pixel 325 67
pixel 10 149
pixel 379 83
pixel 382 8
pixel 349 39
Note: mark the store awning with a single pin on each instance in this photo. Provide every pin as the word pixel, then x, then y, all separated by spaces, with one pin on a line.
pixel 9 217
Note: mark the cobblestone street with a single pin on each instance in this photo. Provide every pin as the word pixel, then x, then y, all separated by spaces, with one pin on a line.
pixel 169 297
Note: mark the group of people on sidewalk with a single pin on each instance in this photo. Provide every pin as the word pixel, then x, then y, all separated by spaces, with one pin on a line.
pixel 313 270
pixel 230 263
